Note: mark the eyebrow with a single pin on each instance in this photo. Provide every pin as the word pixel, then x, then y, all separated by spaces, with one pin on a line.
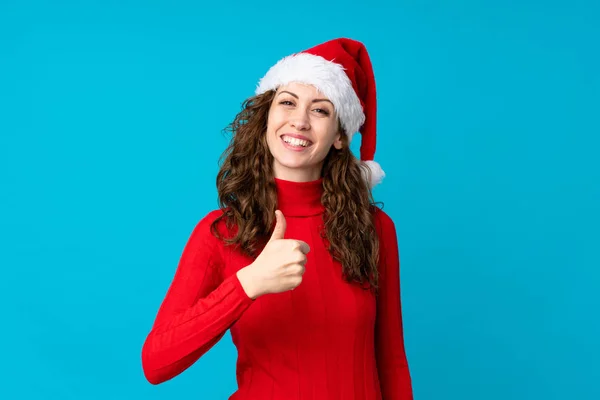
pixel 296 96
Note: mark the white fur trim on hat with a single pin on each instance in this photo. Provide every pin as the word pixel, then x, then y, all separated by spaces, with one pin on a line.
pixel 375 172
pixel 327 76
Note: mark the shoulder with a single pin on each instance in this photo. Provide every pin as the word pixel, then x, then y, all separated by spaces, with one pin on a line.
pixel 207 220
pixel 203 230
pixel 211 217
pixel 383 222
pixel 388 239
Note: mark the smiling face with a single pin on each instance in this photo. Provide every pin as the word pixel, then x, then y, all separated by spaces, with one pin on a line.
pixel 302 126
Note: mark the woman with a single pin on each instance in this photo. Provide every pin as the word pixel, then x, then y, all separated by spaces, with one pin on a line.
pixel 298 262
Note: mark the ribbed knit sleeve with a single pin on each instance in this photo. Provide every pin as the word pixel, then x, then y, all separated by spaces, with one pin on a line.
pixel 392 365
pixel 199 306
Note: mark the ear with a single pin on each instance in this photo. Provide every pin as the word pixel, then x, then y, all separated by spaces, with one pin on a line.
pixel 337 143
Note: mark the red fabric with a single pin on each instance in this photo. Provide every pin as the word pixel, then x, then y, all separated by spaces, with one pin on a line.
pixel 353 56
pixel 327 339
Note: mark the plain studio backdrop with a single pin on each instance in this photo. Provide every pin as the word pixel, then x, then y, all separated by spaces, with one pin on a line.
pixel 111 118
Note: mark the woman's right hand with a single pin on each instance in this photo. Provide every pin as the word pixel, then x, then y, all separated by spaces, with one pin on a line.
pixel 279 267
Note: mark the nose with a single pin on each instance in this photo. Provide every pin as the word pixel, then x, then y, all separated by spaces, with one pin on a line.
pixel 299 120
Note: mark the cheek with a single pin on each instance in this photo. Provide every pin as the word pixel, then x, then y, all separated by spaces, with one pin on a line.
pixel 329 133
pixel 273 126
pixel 275 120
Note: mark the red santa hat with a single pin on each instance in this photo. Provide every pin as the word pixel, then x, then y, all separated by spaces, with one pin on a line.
pixel 341 70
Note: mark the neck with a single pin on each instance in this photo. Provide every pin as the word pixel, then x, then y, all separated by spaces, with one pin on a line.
pixel 299 199
pixel 297 174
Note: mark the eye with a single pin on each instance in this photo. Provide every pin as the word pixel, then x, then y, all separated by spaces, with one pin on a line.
pixel 286 103
pixel 322 111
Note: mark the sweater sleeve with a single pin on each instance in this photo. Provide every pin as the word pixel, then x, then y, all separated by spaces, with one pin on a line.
pixel 392 365
pixel 199 306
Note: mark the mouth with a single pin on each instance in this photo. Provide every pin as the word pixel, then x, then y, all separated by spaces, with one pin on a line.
pixel 295 143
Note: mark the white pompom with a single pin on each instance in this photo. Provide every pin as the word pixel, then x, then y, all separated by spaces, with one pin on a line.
pixel 350 136
pixel 376 173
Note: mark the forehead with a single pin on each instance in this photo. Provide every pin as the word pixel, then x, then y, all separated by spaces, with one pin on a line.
pixel 301 89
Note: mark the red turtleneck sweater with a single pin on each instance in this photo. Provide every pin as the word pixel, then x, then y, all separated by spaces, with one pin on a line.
pixel 326 340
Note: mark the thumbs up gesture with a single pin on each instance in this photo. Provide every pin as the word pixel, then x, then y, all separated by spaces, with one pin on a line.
pixel 279 267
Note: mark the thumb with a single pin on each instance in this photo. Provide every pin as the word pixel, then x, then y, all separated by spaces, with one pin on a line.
pixel 280 226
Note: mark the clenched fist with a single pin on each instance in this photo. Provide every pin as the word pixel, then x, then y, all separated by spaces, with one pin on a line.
pixel 279 267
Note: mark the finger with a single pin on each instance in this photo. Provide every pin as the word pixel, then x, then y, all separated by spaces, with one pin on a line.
pixel 298 271
pixel 295 269
pixel 299 245
pixel 304 247
pixel 295 281
pixel 302 269
pixel 302 259
pixel 280 226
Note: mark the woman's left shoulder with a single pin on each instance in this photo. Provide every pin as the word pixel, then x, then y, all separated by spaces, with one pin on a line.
pixel 381 218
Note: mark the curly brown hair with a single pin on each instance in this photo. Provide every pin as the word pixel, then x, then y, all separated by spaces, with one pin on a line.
pixel 248 196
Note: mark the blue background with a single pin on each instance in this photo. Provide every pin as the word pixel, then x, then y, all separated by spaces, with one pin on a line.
pixel 111 115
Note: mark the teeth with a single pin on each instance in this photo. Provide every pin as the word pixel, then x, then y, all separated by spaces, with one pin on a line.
pixel 295 142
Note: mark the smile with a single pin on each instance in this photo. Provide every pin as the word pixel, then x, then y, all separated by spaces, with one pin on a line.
pixel 295 143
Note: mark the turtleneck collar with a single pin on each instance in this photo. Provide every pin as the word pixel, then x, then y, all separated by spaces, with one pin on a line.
pixel 299 199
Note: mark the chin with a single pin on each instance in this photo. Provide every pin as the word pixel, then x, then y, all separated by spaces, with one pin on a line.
pixel 292 164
